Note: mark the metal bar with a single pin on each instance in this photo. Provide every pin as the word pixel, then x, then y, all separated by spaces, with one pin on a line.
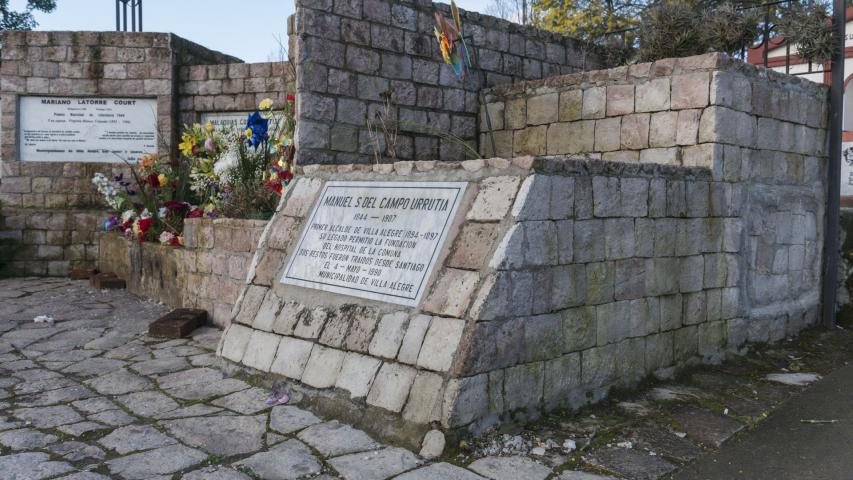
pixel 140 14
pixel 132 16
pixel 118 16
pixel 787 57
pixel 833 188
pixel 124 15
pixel 766 34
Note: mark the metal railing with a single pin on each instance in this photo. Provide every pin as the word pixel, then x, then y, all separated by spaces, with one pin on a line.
pixel 121 15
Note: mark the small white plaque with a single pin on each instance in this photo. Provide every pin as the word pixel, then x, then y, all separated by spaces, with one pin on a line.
pixel 847 169
pixel 225 121
pixel 375 240
pixel 86 129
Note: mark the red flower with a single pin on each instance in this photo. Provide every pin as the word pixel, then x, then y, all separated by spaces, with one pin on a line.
pixel 145 224
pixel 195 213
pixel 154 180
pixel 277 188
pixel 290 97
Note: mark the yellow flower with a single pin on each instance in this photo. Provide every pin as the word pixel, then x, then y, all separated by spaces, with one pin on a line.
pixel 208 127
pixel 273 177
pixel 265 104
pixel 187 145
pixel 248 133
pixel 163 179
pixel 147 161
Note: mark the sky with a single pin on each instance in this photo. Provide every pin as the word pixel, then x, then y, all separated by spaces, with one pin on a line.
pixel 247 29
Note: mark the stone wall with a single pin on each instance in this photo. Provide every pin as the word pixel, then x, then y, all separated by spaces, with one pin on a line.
pixel 567 277
pixel 235 87
pixel 350 55
pixel 207 273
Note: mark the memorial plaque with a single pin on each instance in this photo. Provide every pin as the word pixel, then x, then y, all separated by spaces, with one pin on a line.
pixel 375 240
pixel 90 129
pixel 225 121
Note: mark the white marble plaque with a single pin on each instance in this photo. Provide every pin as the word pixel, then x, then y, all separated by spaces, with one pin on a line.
pixel 86 129
pixel 375 240
pixel 225 121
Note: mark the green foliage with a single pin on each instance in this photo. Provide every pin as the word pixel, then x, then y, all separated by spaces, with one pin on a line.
pixel 805 24
pixel 586 19
pixel 727 29
pixel 671 28
pixel 12 20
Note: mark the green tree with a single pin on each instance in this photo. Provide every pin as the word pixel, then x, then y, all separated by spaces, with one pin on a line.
pixel 23 20
pixel 586 19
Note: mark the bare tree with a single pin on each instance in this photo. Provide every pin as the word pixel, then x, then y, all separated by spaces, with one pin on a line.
pixel 512 10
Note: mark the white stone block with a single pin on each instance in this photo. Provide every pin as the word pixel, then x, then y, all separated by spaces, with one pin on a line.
pixel 261 350
pixel 391 387
pixel 452 293
pixel 494 198
pixel 440 343
pixel 234 342
pixel 357 373
pixel 323 367
pixel 413 339
pixel 389 335
pixel 292 356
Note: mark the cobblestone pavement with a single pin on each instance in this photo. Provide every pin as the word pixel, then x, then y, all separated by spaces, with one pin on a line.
pixel 92 397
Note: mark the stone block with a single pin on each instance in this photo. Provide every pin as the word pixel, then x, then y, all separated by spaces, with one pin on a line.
pixel 620 100
pixel 267 313
pixel 663 129
pixel 530 141
pixel 731 90
pixel 528 203
pixel 410 347
pixel 690 90
pixel 606 196
pixel 494 199
pixel 391 386
pixel 473 246
pixel 594 102
pixel 234 342
pixel 357 374
pixel 310 323
pixel 687 128
pixel 524 386
pixel 607 134
pixel 515 113
pixel 562 382
pixel 574 137
pixel 362 325
pixel 389 335
pixel 542 109
pixel 323 367
pixel 425 398
pixel 635 131
pixel 568 286
pixel 301 197
pixel 543 337
pixel 261 350
pixel 619 239
pixel 440 343
pixel 452 293
pixel 599 283
pixel 571 105
pixel 562 198
pixel 587 243
pixel 685 343
pixel 630 279
pixel 659 351
pixel 653 96
pixel 496 114
pixel 465 399
pixel 292 357
pixel 712 341
pixel 250 304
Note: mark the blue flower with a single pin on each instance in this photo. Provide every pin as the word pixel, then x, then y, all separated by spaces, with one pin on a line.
pixel 256 129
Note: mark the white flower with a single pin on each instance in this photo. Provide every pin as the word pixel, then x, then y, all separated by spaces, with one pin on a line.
pixel 166 237
pixel 145 214
pixel 226 162
pixel 127 216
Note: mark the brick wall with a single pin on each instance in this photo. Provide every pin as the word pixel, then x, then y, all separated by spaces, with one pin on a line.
pixel 348 54
pixel 207 273
pixel 235 87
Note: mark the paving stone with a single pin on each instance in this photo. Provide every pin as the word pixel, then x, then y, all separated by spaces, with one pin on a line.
pixel 60 395
pixel 134 438
pixel 443 471
pixel 94 366
pixel 285 461
pixel 510 468
pixel 94 405
pixel 196 410
pixel 32 466
pixel 75 451
pixel 119 383
pixel 203 391
pixel 289 419
pixel 220 435
pixel 148 404
pixel 661 441
pixel 48 417
pixel 26 439
pixel 706 427
pixel 247 402
pixel 161 365
pixel 81 428
pixel 377 465
pixel 334 438
pixel 794 379
pixel 161 461
pixel 85 476
pixel 630 463
pixel 577 475
pixel 38 386
pixel 115 418
pixel 216 472
pixel 6 424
